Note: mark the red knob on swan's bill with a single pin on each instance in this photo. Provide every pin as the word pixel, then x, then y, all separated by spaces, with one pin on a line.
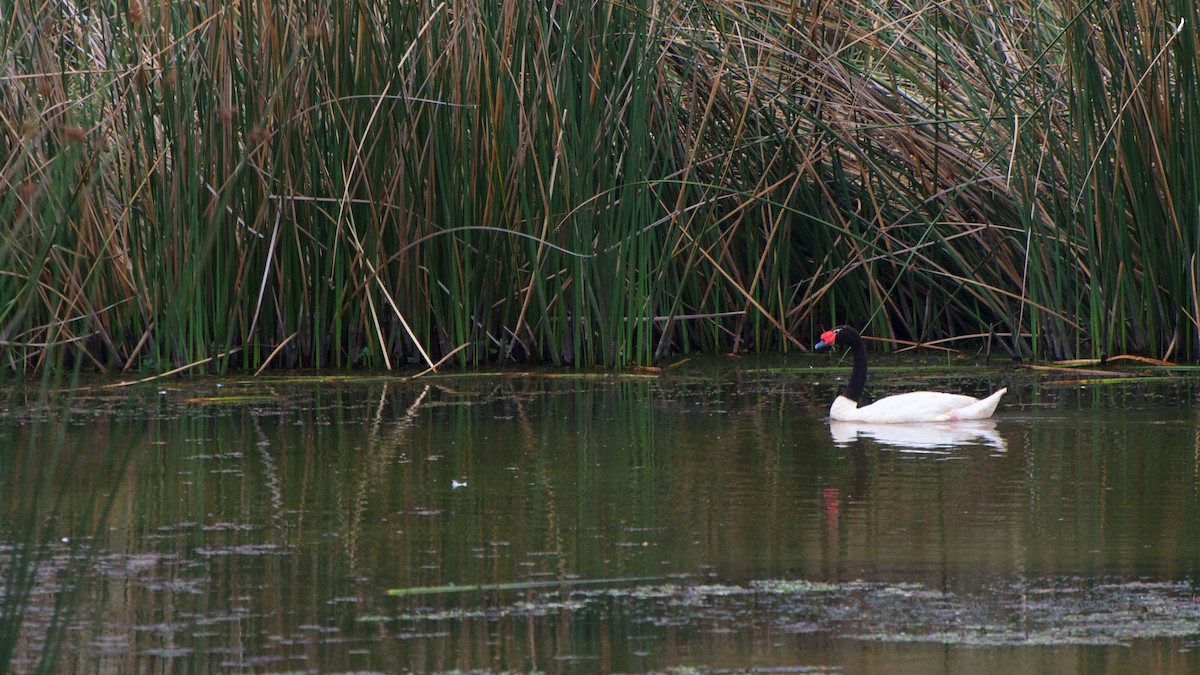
pixel 827 339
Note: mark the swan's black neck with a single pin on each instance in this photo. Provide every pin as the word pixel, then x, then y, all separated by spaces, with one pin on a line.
pixel 858 373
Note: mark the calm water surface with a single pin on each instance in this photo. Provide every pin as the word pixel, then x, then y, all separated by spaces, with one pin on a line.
pixel 570 523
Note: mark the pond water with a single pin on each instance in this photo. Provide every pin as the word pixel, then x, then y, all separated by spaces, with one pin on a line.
pixel 595 523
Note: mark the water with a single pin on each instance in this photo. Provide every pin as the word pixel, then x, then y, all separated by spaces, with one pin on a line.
pixel 569 523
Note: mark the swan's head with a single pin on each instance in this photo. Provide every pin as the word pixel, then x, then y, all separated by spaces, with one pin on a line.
pixel 828 338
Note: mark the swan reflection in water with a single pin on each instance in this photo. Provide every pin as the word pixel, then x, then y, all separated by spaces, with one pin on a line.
pixel 930 437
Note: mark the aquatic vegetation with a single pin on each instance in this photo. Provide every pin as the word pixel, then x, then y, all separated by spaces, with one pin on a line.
pixel 1073 613
pixel 216 186
pixel 797 586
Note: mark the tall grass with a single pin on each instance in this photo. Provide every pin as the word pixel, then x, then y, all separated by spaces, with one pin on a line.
pixel 296 184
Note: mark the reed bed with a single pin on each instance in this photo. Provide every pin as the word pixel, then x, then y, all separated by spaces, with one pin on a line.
pixel 307 185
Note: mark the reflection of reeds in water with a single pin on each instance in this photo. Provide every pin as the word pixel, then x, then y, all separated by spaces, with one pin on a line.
pixel 59 489
pixel 589 183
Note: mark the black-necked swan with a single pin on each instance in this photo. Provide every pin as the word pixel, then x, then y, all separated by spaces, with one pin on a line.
pixel 916 406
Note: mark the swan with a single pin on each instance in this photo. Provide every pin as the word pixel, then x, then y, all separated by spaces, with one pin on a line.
pixel 916 406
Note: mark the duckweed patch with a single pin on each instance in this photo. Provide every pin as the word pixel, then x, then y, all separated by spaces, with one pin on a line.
pixel 1064 611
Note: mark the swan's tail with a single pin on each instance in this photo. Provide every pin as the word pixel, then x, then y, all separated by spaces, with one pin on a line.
pixel 981 409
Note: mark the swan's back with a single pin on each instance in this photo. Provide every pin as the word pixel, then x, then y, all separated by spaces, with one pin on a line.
pixel 917 406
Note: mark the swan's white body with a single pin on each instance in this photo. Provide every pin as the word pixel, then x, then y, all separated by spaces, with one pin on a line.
pixel 917 406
